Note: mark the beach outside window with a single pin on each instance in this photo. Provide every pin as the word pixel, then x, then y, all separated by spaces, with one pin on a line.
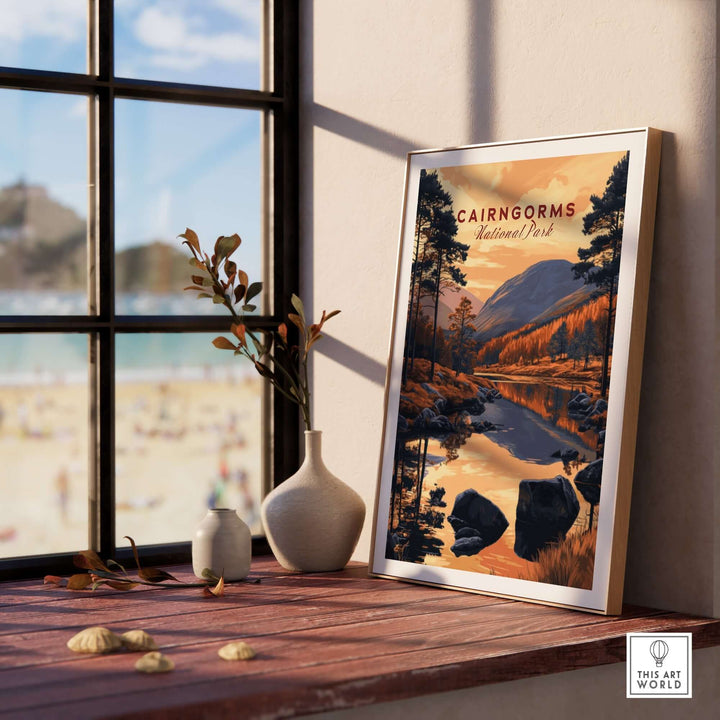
pixel 123 124
pixel 43 443
pixel 188 435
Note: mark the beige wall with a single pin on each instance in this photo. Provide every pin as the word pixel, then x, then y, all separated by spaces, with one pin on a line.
pixel 382 77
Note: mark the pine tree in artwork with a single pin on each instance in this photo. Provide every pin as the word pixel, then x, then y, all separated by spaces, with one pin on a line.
pixel 462 332
pixel 447 257
pixel 558 345
pixel 600 263
pixel 434 206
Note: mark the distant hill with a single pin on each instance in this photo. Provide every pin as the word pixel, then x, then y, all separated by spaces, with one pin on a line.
pixel 157 267
pixel 525 297
pixel 29 214
pixel 43 244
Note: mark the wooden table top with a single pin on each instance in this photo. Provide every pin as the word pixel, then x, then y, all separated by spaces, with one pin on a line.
pixel 323 641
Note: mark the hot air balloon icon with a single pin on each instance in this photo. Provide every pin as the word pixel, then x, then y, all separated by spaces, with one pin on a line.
pixel 659 650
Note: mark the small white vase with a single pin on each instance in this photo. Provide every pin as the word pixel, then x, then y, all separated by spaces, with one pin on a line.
pixel 313 520
pixel 222 543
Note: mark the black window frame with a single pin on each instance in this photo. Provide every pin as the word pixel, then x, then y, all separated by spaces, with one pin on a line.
pixel 281 102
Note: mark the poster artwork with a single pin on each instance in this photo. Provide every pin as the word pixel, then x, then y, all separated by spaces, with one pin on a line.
pixel 505 374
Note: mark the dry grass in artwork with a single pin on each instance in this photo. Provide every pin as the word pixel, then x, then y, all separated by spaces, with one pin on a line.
pixel 569 563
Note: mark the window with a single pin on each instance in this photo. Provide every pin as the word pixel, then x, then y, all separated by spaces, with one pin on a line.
pixel 123 124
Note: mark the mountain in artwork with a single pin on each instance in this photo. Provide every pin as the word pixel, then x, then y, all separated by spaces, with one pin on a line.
pixel 545 287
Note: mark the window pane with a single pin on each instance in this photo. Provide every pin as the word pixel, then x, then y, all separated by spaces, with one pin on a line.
pixel 181 166
pixel 43 203
pixel 190 41
pixel 43 444
pixel 188 436
pixel 44 34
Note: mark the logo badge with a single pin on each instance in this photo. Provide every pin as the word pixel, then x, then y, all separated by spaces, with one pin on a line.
pixel 659 665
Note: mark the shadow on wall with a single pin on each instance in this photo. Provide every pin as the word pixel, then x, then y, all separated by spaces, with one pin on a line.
pixel 349 357
pixel 387 141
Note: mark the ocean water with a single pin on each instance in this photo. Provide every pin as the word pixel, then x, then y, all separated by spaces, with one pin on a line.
pixel 49 358
pixel 56 302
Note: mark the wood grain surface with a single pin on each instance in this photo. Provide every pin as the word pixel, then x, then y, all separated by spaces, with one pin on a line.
pixel 323 641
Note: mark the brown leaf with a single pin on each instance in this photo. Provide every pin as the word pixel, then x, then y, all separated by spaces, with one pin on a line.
pixel 120 584
pixel 313 340
pixel 150 574
pixel 134 551
pixel 242 278
pixel 79 581
pixel 238 330
pixel 239 292
pixel 264 370
pixel 216 591
pixel 230 269
pixel 226 246
pixel 253 290
pixel 282 331
pixel 297 321
pixel 89 560
pixel 191 239
pixel 155 575
pixel 55 580
pixel 223 343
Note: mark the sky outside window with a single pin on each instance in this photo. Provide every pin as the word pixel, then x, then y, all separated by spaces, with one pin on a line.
pixel 44 34
pixel 176 166
pixel 205 42
pixel 43 203
pixel 181 166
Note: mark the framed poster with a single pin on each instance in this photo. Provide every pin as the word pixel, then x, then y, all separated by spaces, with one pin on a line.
pixel 513 381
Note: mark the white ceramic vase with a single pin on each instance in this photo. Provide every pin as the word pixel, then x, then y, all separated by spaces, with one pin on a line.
pixel 313 520
pixel 222 542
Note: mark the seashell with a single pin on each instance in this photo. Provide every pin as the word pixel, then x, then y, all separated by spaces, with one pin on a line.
pixel 154 662
pixel 138 640
pixel 236 651
pixel 94 640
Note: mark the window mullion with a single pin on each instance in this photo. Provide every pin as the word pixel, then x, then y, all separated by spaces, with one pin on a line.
pixel 285 214
pixel 102 510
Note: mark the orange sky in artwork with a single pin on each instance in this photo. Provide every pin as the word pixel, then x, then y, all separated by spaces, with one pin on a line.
pixel 528 184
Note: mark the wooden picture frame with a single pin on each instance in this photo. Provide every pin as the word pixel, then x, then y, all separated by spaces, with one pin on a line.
pixel 515 364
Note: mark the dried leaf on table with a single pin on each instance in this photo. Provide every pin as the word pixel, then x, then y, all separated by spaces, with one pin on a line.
pixel 89 560
pixel 79 581
pixel 216 591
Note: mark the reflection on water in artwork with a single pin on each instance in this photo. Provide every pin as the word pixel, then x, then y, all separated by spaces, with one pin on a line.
pixel 532 436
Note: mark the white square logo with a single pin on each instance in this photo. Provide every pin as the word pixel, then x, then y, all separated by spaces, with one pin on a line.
pixel 659 665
